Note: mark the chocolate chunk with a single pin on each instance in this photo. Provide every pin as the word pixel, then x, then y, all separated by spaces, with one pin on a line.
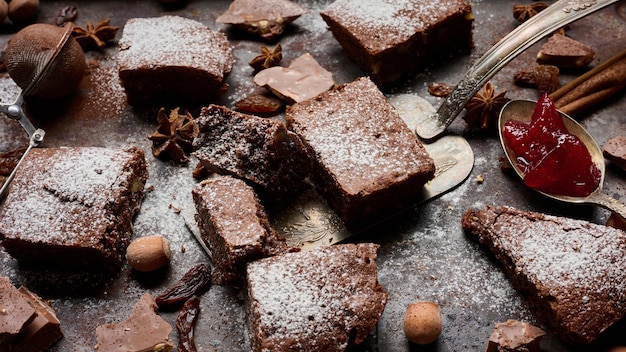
pixel 15 312
pixel 43 331
pixel 543 77
pixel 266 19
pixel 565 52
pixel 302 80
pixel 144 330
pixel 515 336
pixel 615 151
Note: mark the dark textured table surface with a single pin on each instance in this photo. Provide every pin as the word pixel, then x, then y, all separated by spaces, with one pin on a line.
pixel 424 254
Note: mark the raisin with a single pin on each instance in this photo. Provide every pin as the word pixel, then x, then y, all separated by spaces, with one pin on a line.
pixel 259 104
pixel 194 281
pixel 185 323
pixel 66 14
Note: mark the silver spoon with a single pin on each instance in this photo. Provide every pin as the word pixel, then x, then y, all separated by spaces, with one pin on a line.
pixel 547 21
pixel 522 110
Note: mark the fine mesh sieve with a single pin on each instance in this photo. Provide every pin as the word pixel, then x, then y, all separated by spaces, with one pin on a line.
pixel 45 62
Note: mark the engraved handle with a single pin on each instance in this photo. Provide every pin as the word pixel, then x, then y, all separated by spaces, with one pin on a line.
pixel 547 21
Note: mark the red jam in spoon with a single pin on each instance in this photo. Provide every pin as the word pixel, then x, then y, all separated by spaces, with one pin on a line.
pixel 553 160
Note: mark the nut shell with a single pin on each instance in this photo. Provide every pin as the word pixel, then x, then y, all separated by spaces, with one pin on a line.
pixel 4 10
pixel 22 10
pixel 149 253
pixel 46 57
pixel 422 322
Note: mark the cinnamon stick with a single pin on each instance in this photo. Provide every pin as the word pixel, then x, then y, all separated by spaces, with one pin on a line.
pixel 596 85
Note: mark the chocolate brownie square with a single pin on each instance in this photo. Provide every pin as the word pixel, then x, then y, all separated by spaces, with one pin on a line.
pixel 172 59
pixel 392 39
pixel 325 299
pixel 367 162
pixel 73 207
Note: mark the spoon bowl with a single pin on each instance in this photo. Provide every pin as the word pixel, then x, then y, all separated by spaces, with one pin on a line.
pixel 522 110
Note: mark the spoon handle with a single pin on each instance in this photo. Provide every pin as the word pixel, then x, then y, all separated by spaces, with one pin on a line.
pixel 604 200
pixel 547 21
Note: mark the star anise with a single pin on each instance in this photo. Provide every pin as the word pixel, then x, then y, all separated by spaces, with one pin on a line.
pixel 524 12
pixel 484 107
pixel 95 36
pixel 174 136
pixel 268 58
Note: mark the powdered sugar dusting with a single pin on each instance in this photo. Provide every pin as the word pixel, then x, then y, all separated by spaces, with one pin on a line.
pixel 312 300
pixel 232 206
pixel 395 20
pixel 65 201
pixel 559 252
pixel 173 41
pixel 356 133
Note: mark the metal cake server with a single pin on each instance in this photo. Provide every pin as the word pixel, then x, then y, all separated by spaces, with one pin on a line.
pixel 545 22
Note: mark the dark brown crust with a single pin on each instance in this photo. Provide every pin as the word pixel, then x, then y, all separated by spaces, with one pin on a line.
pixel 572 270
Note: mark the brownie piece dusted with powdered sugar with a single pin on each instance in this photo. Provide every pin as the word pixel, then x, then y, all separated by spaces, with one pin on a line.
pixel 572 270
pixel 392 39
pixel 321 300
pixel 367 161
pixel 73 207
pixel 259 150
pixel 172 59
pixel 235 225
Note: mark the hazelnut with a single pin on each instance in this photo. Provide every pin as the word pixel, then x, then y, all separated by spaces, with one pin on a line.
pixel 149 253
pixel 22 10
pixel 4 10
pixel 422 322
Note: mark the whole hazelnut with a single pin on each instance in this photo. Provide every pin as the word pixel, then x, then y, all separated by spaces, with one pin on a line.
pixel 22 10
pixel 149 253
pixel 4 10
pixel 422 322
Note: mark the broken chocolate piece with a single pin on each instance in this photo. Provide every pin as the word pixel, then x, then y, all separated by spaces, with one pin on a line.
pixel 515 336
pixel 615 151
pixel 143 331
pixel 302 80
pixel 543 77
pixel 15 312
pixel 43 332
pixel 266 19
pixel 565 52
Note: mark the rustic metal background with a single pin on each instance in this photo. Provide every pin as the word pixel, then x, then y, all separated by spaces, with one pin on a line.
pixel 424 254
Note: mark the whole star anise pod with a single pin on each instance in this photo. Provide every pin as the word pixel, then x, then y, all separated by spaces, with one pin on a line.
pixel 484 107
pixel 523 12
pixel 174 136
pixel 95 36
pixel 268 58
